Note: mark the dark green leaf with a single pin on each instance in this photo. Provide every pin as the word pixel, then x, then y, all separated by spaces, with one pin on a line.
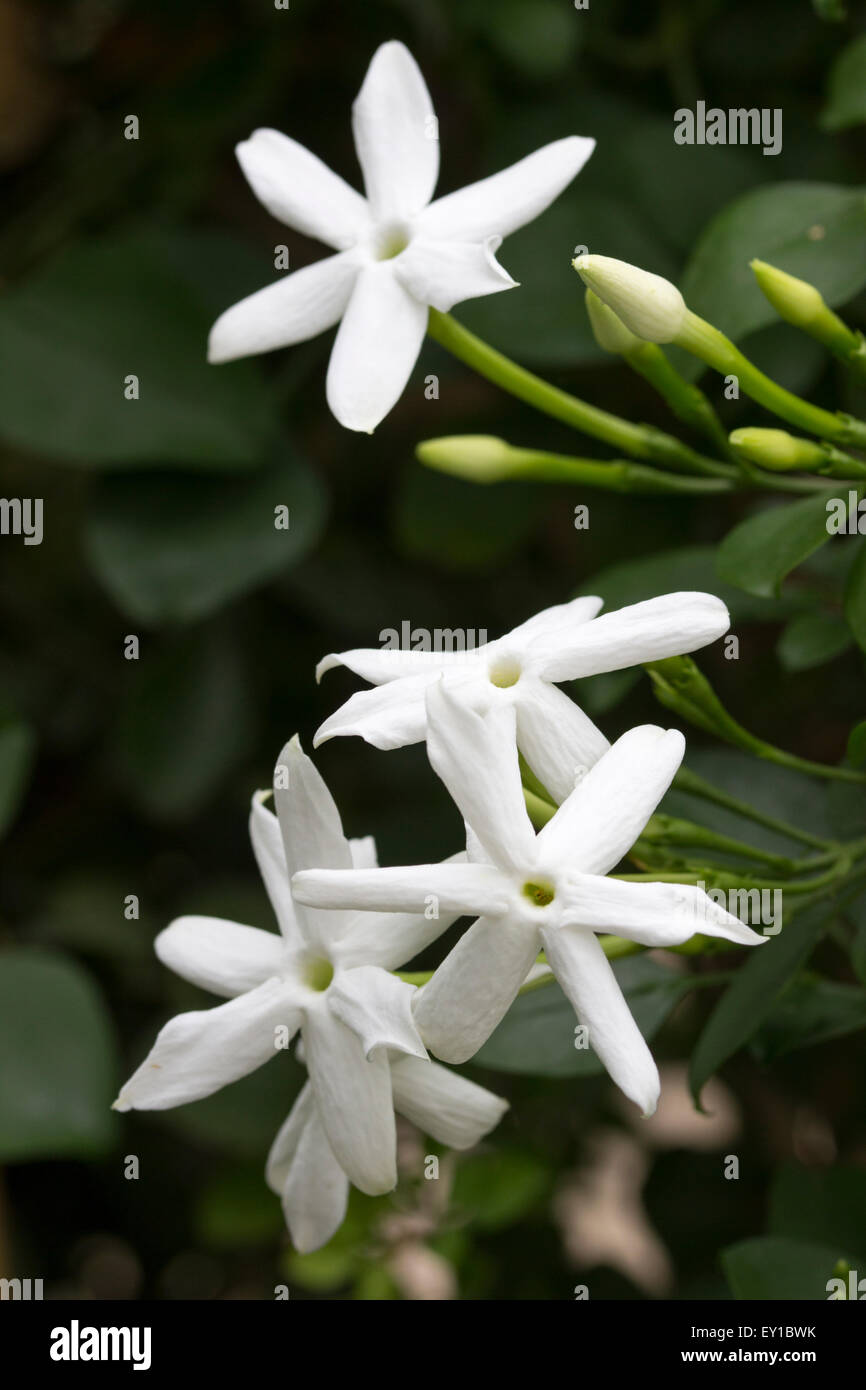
pixel 176 548
pixel 669 571
pixel 17 747
pixel 816 231
pixel 827 1206
pixel 846 89
pixel 446 523
pixel 769 1267
pixel 747 1001
pixel 809 1011
pixel 855 598
pixel 59 1072
pixel 856 750
pixel 761 551
pixel 811 639
pixel 185 724
pixel 497 1189
pixel 537 1036
pixel 111 308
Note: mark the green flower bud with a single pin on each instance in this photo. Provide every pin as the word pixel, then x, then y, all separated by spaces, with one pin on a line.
pixel 777 450
pixel 647 304
pixel 794 300
pixel 480 457
pixel 609 332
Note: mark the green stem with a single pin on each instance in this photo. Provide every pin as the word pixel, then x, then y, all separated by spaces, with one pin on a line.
pixel 687 401
pixel 638 441
pixel 711 346
pixel 614 475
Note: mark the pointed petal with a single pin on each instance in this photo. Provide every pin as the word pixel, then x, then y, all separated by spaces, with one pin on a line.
pixel 556 738
pixel 388 716
pixel 310 824
pixel 498 205
pixel 270 856
pixel 444 273
pixel 377 1006
pixel 562 617
pixel 585 975
pixel 667 626
pixel 608 809
pixel 655 914
pixel 363 851
pixel 395 134
pixel 476 758
pixel 354 1101
pixel 224 957
pixel 376 347
pixel 303 1170
pixel 448 1107
pixel 461 888
pixel 380 664
pixel 294 309
pixel 285 1145
pixel 474 987
pixel 196 1054
pixel 298 189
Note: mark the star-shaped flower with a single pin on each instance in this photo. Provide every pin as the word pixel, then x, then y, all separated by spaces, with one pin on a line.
pixel 326 974
pixel 521 670
pixel 530 891
pixel 397 252
pixel 303 1170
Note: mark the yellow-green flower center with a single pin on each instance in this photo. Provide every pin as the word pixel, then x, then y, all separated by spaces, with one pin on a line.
pixel 318 974
pixel 390 240
pixel 504 671
pixel 539 894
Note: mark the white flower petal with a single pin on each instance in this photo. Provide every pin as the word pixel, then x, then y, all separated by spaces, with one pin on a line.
pixel 395 134
pixel 448 1107
pixel 585 975
pixel 310 824
pixel 474 987
pixel 363 851
pixel 667 626
pixel 390 939
pixel 556 738
pixel 376 347
pixel 608 809
pixel 498 205
pixel 388 716
pixel 354 1101
pixel 381 664
pixel 224 957
pixel 655 914
pixel 196 1054
pixel 450 887
pixel 298 307
pixel 444 273
pixel 476 757
pixel 270 856
pixel 562 617
pixel 314 1188
pixel 377 1006
pixel 298 189
pixel 285 1145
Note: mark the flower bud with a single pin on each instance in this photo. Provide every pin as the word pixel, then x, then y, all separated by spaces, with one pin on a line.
pixel 647 304
pixel 777 450
pixel 609 332
pixel 482 458
pixel 794 300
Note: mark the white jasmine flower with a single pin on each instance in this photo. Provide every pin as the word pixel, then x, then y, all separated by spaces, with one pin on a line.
pixel 303 1170
pixel 521 670
pixel 326 974
pixel 530 891
pixel 397 252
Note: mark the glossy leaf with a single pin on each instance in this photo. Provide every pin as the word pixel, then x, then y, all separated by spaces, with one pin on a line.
pixel 759 553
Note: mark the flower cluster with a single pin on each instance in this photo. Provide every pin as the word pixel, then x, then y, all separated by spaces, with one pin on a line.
pixel 346 925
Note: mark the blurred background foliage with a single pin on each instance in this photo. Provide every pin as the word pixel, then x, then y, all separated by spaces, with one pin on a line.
pixel 123 778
